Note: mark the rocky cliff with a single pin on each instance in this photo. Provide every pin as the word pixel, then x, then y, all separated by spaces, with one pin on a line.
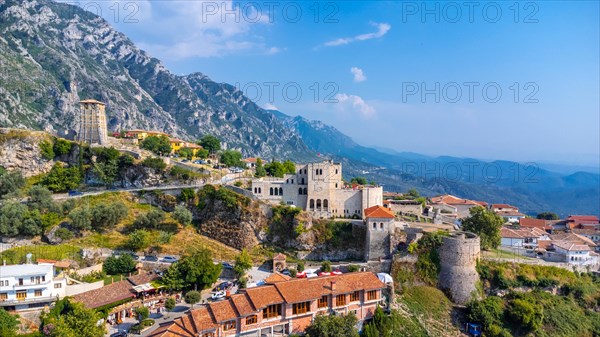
pixel 20 150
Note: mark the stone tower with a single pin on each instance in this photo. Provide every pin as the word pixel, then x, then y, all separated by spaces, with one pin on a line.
pixel 92 122
pixel 380 224
pixel 459 254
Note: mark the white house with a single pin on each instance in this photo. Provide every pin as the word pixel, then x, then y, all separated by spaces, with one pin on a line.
pixel 250 163
pixel 508 212
pixel 526 237
pixel 29 285
pixel 576 253
pixel 591 234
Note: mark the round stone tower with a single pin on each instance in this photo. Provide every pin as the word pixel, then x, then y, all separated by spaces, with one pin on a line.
pixel 458 258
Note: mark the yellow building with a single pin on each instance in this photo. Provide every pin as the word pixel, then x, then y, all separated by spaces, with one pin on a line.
pixel 143 134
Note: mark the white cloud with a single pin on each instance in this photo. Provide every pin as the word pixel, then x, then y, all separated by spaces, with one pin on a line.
pixel 382 29
pixel 355 103
pixel 269 106
pixel 359 75
pixel 183 29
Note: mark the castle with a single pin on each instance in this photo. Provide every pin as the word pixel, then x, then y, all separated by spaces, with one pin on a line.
pixel 92 124
pixel 459 254
pixel 318 188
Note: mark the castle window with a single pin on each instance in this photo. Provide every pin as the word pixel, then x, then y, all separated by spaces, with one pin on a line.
pixel 292 181
pixel 260 190
pixel 300 191
pixel 302 181
pixel 305 191
pixel 336 171
pixel 281 191
pixel 271 191
pixel 318 204
pixel 336 185
pixel 305 171
pixel 312 204
pixel 374 225
pixel 381 225
pixel 325 204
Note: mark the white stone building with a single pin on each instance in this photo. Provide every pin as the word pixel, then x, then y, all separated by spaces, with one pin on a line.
pixel 25 286
pixel 576 253
pixel 319 189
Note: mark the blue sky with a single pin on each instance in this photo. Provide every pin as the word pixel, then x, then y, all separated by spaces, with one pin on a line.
pixel 375 59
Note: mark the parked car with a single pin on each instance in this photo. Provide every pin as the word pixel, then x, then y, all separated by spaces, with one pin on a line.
pixel 224 286
pixel 134 256
pixel 151 258
pixel 74 193
pixel 227 265
pixel 169 259
pixel 286 272
pixel 185 161
pixel 218 295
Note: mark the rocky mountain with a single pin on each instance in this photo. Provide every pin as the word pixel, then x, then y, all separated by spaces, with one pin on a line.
pixel 53 54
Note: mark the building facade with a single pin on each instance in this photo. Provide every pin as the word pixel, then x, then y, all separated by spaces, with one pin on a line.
pixel 319 189
pixel 29 285
pixel 92 123
pixel 380 224
pixel 281 308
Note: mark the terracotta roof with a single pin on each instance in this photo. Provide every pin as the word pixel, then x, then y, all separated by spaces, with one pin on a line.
pixel 570 245
pixel 277 277
pixel 193 146
pixel 583 218
pixel 250 160
pixel 223 310
pixel 452 200
pixel 504 206
pixel 576 231
pixel 534 223
pixel 573 238
pixel 64 264
pixel 509 213
pixel 299 290
pixel 544 243
pixel 242 304
pixel 111 293
pixel 91 101
pixel 535 232
pixel 176 140
pixel 142 278
pixel 263 296
pixel 378 212
pixel 202 319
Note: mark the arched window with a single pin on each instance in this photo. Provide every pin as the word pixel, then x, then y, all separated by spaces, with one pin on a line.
pixel 312 204
pixel 302 181
pixel 381 225
pixel 325 204
pixel 374 225
pixel 305 191
pixel 271 191
pixel 300 191
pixel 260 190
pixel 318 204
pixel 281 191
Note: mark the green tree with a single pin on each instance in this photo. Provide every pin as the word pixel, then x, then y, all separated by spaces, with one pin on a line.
pixel 11 182
pixel 187 195
pixel 333 326
pixel 142 313
pixel 488 312
pixel 413 193
pixel 359 180
pixel 289 167
pixel 71 319
pixel 186 153
pixel 157 164
pixel 199 270
pixel 137 240
pixel 150 220
pixel 231 158
pixel 160 145
pixel 122 264
pixel 548 216
pixel 260 169
pixel 47 150
pixel 40 198
pixel 300 266
pixel 12 215
pixel 486 224
pixel 105 216
pixel 173 278
pixel 192 297
pixel 243 263
pixel 182 215
pixel 107 172
pixel 8 324
pixel 210 143
pixel 526 314
pixel 326 266
pixel 62 146
pixel 275 169
pixel 62 179
pixel 81 218
pixel 202 153
pixel 170 304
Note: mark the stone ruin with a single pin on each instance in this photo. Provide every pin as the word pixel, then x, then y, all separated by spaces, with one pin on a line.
pixel 459 254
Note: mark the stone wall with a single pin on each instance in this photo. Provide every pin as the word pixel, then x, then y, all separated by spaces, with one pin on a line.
pixel 459 254
pixel 20 151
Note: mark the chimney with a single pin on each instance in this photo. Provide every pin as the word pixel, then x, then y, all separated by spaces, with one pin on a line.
pixel 333 287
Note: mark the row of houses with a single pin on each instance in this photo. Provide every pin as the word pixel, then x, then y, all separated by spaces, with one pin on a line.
pixel 281 307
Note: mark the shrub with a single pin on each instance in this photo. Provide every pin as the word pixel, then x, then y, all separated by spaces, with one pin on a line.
pixel 62 179
pixel 142 313
pixel 151 220
pixel 108 215
pixel 157 164
pixel 326 266
pixel 488 313
pixel 526 314
pixel 62 146
pixel 182 215
pixel 164 237
pixel 192 297
pixel 81 218
pixel 115 265
pixel 46 150
pixel 64 234
pixel 137 240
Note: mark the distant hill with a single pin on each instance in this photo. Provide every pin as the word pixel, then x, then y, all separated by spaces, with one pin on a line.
pixel 54 54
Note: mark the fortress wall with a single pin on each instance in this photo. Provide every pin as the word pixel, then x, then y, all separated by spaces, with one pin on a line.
pixel 459 254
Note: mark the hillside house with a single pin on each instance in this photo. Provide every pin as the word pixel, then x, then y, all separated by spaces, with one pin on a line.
pixel 281 308
pixel 24 286
pixel 448 202
pixel 525 237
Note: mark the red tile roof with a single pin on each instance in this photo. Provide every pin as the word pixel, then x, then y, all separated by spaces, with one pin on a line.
pixel 250 160
pixel 109 294
pixel 535 232
pixel 277 277
pixel 570 245
pixel 263 296
pixel 452 200
pixel 242 304
pixel 378 212
pixel 223 310
pixel 534 223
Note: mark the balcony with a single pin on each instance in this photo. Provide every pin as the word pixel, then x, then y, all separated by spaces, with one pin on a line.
pixel 30 285
pixel 28 300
